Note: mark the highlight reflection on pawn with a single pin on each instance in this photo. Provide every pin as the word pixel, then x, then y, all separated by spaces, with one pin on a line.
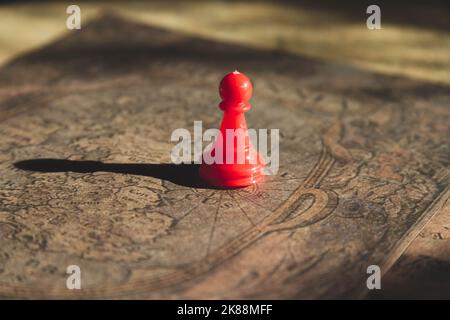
pixel 239 163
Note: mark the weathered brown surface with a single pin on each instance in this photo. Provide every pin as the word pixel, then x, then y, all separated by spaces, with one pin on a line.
pixel 364 161
pixel 423 270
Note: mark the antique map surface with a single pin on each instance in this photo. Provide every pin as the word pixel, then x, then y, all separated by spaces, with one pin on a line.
pixel 86 177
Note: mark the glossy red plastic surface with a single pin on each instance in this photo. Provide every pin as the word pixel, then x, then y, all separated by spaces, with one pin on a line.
pixel 235 90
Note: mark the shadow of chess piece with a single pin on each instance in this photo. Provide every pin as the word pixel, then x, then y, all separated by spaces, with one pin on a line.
pixel 232 161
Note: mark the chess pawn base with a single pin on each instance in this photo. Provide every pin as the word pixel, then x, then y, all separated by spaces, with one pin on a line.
pixel 232 175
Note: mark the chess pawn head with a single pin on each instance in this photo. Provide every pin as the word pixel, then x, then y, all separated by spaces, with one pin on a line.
pixel 235 90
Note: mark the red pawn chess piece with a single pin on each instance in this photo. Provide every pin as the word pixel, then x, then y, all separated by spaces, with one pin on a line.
pixel 241 164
